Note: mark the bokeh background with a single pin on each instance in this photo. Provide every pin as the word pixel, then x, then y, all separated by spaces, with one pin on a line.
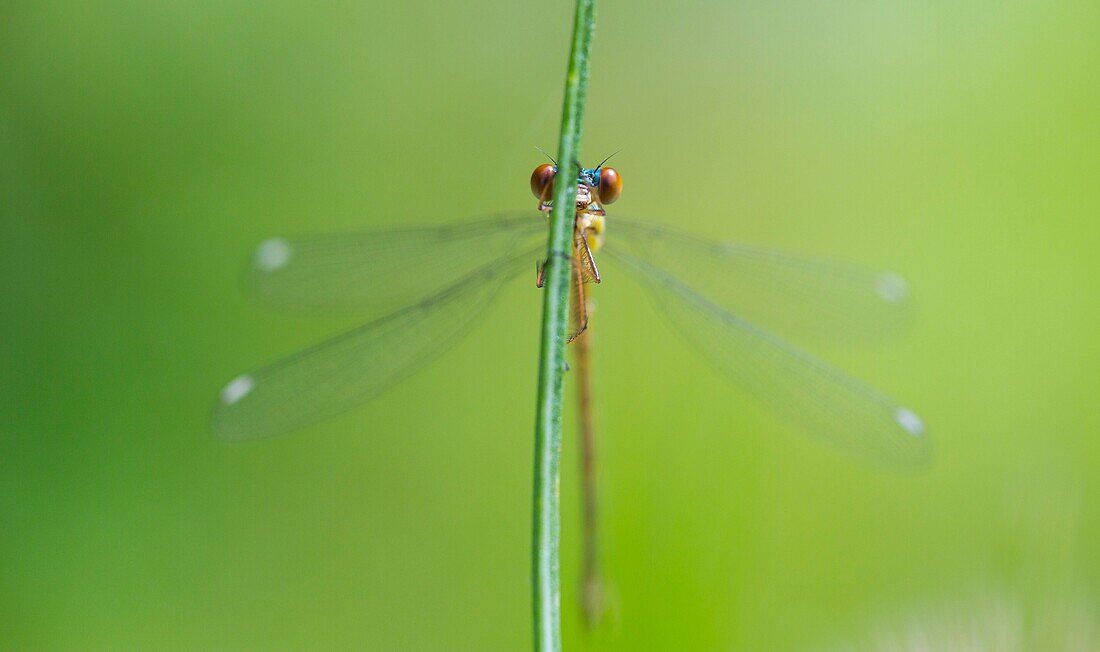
pixel 146 147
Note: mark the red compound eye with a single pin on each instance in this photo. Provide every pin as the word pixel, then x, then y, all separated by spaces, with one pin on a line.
pixel 542 181
pixel 611 185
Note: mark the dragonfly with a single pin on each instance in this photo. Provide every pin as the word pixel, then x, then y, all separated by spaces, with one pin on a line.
pixel 427 286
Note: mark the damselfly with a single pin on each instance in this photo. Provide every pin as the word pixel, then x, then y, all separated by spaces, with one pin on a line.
pixel 432 284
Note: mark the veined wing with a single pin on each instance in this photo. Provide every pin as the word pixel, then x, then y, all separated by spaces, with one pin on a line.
pixel 796 296
pixel 829 403
pixel 360 364
pixel 378 271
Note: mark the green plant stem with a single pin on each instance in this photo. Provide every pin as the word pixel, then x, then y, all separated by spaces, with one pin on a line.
pixel 546 564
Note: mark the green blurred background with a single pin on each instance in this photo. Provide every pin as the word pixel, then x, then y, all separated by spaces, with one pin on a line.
pixel 145 147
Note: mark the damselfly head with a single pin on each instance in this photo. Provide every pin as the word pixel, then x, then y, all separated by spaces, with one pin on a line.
pixel 599 183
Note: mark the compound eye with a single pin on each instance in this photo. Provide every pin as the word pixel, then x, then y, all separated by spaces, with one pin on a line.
pixel 611 185
pixel 542 181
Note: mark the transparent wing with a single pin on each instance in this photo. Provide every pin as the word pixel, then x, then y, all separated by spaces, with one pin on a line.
pixel 829 403
pixel 340 373
pixel 378 271
pixel 578 302
pixel 796 296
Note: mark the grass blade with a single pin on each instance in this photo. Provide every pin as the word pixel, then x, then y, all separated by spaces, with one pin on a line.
pixel 546 531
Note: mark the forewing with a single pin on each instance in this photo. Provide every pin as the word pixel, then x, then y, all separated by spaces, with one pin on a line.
pixel 374 272
pixel 583 257
pixel 797 296
pixel 824 400
pixel 351 368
